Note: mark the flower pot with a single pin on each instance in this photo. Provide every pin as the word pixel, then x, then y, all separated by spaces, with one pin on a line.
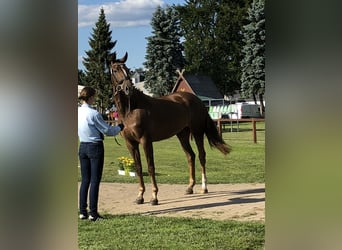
pixel 121 172
pixel 132 174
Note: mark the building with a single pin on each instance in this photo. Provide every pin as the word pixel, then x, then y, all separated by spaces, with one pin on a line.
pixel 200 85
pixel 141 87
pixel 138 76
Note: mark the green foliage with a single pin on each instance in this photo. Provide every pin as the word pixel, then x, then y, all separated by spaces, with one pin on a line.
pixel 245 164
pixel 150 232
pixel 213 41
pixel 164 52
pixel 253 63
pixel 97 62
pixel 198 19
pixel 82 78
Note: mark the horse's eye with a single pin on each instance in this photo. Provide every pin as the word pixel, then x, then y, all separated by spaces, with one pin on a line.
pixel 126 90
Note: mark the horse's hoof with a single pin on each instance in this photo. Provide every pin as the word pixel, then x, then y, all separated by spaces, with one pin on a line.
pixel 154 202
pixel 204 191
pixel 189 191
pixel 139 201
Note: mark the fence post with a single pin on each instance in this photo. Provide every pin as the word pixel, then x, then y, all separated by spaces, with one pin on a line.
pixel 219 127
pixel 254 131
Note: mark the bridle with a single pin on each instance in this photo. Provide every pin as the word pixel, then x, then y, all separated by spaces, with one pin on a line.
pixel 123 84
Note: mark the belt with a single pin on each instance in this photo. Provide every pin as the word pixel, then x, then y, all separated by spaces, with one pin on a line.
pixel 97 142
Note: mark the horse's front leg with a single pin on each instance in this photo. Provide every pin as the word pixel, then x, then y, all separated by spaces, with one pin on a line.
pixel 133 148
pixel 148 148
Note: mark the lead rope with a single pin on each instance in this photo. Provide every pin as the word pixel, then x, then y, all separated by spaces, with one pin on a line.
pixel 116 140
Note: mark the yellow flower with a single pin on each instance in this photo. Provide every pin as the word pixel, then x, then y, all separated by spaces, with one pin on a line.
pixel 126 163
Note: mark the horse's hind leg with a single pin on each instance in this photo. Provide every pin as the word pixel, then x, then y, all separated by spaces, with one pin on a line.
pixel 201 155
pixel 183 137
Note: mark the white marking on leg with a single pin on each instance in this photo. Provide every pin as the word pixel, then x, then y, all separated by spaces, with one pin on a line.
pixel 204 182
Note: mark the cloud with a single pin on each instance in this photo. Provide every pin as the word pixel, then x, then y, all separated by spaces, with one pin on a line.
pixel 124 13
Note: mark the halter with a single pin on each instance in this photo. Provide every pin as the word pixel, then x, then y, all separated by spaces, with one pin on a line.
pixel 124 84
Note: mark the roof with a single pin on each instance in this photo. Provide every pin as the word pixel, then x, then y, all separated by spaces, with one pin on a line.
pixel 200 85
pixel 141 87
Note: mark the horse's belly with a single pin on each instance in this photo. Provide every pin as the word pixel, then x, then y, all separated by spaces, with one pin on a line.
pixel 165 131
pixel 160 137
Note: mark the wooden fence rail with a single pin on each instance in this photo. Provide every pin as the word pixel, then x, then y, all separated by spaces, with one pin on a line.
pixel 222 121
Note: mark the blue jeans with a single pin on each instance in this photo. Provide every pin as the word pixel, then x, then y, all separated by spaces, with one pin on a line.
pixel 91 157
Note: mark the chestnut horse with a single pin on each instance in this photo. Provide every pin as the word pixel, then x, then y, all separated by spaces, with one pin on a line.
pixel 149 119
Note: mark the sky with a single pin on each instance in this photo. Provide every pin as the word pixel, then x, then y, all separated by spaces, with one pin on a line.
pixel 129 22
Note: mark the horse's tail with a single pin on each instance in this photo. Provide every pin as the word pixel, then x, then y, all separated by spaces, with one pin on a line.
pixel 214 138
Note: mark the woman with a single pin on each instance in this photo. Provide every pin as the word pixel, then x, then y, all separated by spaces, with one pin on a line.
pixel 91 128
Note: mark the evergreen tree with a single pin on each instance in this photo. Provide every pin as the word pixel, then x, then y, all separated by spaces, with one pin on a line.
pixel 81 78
pixel 253 63
pixel 163 52
pixel 97 62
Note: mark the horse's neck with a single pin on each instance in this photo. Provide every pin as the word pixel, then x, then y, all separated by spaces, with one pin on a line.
pixel 121 105
pixel 126 104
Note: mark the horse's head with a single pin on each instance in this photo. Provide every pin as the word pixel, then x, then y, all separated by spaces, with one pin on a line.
pixel 120 75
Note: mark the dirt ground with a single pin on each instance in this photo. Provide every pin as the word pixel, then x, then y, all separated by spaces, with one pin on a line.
pixel 242 202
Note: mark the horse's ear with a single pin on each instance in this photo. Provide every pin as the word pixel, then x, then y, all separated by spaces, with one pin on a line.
pixel 124 59
pixel 112 57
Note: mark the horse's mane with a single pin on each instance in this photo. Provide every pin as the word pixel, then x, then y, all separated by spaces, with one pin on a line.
pixel 126 104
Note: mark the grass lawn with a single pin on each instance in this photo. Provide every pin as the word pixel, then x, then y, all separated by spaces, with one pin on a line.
pixel 245 164
pixel 149 232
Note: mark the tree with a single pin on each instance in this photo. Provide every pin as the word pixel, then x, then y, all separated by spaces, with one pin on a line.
pixel 81 78
pixel 230 20
pixel 164 52
pixel 213 41
pixel 253 63
pixel 97 62
pixel 198 18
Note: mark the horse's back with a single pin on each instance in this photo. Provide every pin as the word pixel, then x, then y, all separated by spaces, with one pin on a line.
pixel 197 111
pixel 157 119
pixel 182 97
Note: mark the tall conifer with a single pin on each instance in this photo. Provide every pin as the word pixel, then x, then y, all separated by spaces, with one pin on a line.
pixel 253 63
pixel 97 62
pixel 164 52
